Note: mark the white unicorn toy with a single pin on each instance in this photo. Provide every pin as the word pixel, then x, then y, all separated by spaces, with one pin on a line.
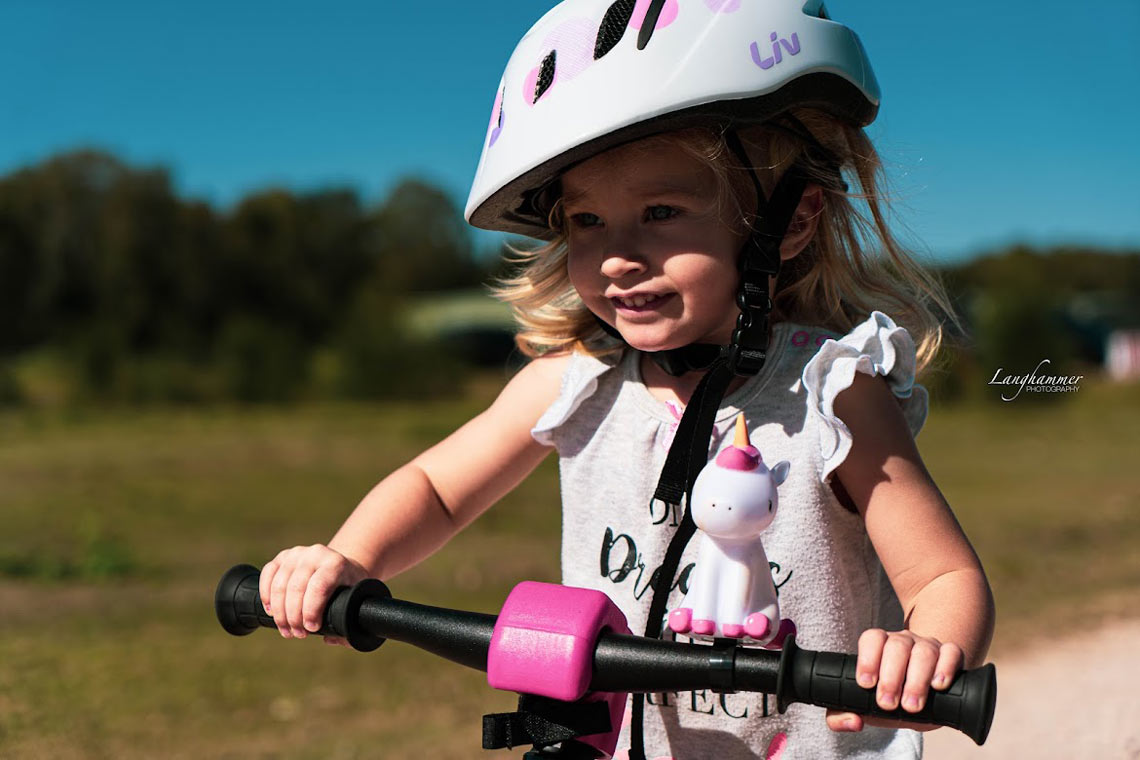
pixel 731 593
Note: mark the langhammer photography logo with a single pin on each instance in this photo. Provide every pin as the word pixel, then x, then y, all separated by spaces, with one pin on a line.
pixel 1035 383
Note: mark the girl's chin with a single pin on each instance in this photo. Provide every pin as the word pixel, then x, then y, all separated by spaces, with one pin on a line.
pixel 652 344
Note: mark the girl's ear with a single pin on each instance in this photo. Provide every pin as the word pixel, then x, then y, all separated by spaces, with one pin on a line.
pixel 804 223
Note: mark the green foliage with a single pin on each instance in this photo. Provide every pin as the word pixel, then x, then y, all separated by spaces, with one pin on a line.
pixel 260 360
pixel 146 297
pixel 423 241
pixel 140 296
pixel 377 359
pixel 95 555
pixel 1022 306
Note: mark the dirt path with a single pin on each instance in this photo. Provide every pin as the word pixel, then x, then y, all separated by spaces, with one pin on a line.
pixel 1075 699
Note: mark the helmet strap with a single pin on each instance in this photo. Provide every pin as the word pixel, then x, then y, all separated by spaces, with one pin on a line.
pixel 745 355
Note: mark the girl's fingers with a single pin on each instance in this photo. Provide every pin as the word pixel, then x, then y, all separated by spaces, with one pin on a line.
pixel 295 597
pixel 920 670
pixel 321 585
pixel 278 584
pixel 870 657
pixel 844 721
pixel 893 669
pixel 950 661
pixel 265 584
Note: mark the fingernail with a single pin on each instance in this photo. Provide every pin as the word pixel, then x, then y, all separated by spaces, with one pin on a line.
pixel 940 680
pixel 851 724
pixel 888 701
pixel 912 703
pixel 866 680
pixel 285 634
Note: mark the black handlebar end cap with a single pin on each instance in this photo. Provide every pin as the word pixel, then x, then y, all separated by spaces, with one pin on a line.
pixel 983 683
pixel 225 595
pixel 343 614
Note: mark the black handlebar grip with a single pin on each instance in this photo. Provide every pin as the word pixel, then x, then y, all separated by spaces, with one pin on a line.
pixel 827 679
pixel 237 603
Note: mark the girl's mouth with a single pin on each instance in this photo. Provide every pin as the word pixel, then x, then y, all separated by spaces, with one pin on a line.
pixel 639 303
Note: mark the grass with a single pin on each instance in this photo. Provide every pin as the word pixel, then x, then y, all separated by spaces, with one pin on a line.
pixel 117 525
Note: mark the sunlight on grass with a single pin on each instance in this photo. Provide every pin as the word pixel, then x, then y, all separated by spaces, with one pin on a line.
pixel 118 525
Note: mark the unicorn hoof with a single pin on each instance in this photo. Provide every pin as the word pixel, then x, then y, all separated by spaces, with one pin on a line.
pixel 704 627
pixel 756 626
pixel 732 630
pixel 787 628
pixel 680 620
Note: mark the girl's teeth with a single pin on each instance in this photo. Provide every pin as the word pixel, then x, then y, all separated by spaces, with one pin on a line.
pixel 638 301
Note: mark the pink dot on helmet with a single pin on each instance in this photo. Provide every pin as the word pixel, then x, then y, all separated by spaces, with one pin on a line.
pixel 495 109
pixel 723 6
pixel 574 42
pixel 667 17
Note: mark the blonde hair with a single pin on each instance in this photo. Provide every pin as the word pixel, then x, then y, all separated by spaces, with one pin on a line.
pixel 853 265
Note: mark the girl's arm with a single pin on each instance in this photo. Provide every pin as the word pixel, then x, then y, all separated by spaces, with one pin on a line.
pixel 420 506
pixel 947 604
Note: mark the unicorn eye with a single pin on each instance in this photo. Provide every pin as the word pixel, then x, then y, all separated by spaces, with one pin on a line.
pixel 769 505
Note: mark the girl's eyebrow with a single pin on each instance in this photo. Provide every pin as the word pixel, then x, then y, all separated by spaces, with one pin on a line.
pixel 644 190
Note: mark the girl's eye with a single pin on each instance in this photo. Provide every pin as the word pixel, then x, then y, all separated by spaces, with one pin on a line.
pixel 585 219
pixel 660 213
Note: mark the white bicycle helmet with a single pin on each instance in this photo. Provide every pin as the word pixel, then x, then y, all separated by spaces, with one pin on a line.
pixel 592 74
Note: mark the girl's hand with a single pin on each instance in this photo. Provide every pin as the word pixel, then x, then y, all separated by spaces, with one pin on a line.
pixel 903 666
pixel 296 585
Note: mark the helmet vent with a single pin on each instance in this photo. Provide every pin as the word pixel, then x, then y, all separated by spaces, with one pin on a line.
pixel 545 75
pixel 613 26
pixel 649 23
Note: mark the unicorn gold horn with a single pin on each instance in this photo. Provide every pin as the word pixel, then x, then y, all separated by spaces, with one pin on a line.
pixel 741 455
pixel 741 441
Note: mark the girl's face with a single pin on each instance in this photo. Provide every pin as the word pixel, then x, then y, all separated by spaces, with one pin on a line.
pixel 649 249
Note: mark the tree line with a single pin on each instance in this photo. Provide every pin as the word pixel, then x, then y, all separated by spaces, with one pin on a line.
pixel 114 288
pixel 136 294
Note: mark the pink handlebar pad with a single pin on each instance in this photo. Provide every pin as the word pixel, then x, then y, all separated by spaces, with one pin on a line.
pixel 543 644
pixel 544 639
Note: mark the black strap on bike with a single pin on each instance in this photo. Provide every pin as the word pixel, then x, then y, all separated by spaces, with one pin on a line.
pixel 546 722
pixel 745 356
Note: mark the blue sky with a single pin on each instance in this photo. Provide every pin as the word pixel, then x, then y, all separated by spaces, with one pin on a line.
pixel 1001 122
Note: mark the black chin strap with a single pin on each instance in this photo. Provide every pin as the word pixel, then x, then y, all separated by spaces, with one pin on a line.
pixel 745 356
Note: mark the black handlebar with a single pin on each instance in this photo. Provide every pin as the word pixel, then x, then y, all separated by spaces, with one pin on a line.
pixel 366 615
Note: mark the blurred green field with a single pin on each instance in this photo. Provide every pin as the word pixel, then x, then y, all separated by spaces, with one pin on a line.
pixel 116 525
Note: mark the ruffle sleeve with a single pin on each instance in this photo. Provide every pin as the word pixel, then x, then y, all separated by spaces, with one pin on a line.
pixel 875 347
pixel 579 381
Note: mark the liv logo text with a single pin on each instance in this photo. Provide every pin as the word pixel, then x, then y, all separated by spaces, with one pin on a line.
pixel 779 45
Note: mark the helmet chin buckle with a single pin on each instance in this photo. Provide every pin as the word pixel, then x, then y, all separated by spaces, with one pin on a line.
pixel 748 349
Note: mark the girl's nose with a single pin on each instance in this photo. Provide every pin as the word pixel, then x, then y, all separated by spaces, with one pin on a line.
pixel 619 262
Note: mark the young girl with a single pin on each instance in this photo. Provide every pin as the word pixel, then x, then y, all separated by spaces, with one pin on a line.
pixel 685 162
